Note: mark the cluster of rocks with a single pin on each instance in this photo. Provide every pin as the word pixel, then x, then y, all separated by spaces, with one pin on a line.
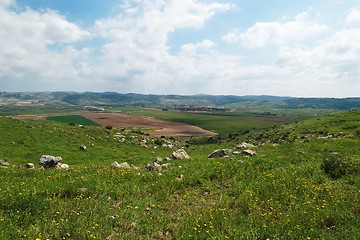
pixel 157 164
pixel 220 153
pixel 123 165
pixel 48 161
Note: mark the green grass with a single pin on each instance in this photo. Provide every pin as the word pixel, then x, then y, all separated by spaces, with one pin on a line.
pixel 217 122
pixel 73 119
pixel 281 193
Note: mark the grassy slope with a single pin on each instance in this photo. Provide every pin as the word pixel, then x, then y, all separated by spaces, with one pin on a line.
pixel 281 193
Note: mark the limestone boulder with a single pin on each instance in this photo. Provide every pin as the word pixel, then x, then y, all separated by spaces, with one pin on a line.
pixel 29 166
pixel 219 153
pixel 125 165
pixel 48 161
pixel 4 163
pixel 249 152
pixel 180 154
pixel 154 167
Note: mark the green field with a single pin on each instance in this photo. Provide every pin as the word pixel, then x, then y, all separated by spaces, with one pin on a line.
pixel 303 183
pixel 226 122
pixel 73 119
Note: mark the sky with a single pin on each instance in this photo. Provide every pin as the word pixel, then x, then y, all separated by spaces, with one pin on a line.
pixel 235 47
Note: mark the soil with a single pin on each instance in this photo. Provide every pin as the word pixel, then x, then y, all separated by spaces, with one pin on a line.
pixel 162 127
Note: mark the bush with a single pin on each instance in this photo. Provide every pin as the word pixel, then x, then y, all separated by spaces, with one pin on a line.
pixel 109 127
pixel 158 141
pixel 335 168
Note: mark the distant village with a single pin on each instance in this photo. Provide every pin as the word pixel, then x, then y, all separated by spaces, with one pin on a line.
pixel 196 108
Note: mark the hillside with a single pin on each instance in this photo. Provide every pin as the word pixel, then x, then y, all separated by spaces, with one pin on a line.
pixel 303 183
pixel 151 100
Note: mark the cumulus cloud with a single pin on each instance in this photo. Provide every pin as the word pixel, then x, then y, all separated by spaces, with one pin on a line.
pixel 192 48
pixel 130 52
pixel 264 33
pixel 353 16
pixel 137 49
pixel 27 39
pixel 6 3
pixel 331 66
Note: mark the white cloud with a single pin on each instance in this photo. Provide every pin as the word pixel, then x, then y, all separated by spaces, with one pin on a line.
pixel 300 56
pixel 191 48
pixel 6 3
pixel 329 69
pixel 27 39
pixel 137 48
pixel 278 33
pixel 353 16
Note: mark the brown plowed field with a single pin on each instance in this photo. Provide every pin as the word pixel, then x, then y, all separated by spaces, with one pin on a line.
pixel 164 128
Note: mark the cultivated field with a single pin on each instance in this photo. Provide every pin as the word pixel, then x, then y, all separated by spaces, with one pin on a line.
pixel 162 127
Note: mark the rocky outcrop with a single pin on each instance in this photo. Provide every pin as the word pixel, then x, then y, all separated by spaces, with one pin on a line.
pixel 180 154
pixel 48 161
pixel 219 153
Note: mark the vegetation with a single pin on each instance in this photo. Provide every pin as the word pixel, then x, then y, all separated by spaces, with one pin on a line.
pixel 73 119
pixel 286 191
pixel 65 99
pixel 218 122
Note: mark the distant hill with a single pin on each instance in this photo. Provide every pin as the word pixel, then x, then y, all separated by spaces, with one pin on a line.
pixel 151 100
pixel 323 103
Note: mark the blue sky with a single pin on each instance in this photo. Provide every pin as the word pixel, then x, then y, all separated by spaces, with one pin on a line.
pixel 279 47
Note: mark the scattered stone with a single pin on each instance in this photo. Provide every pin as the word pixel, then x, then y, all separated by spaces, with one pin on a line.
pixel 64 166
pixel 167 159
pixel 219 153
pixel 158 160
pixel 115 165
pixel 236 153
pixel 165 165
pixel 48 161
pixel 29 166
pixel 180 178
pixel 4 163
pixel 244 145
pixel 180 154
pixel 83 147
pixel 249 152
pixel 153 167
pixel 123 165
pixel 168 146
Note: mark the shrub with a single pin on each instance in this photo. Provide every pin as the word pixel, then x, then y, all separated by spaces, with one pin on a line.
pixel 109 127
pixel 158 141
pixel 335 168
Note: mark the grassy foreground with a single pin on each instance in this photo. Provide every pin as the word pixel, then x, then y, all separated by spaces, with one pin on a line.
pixel 281 193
